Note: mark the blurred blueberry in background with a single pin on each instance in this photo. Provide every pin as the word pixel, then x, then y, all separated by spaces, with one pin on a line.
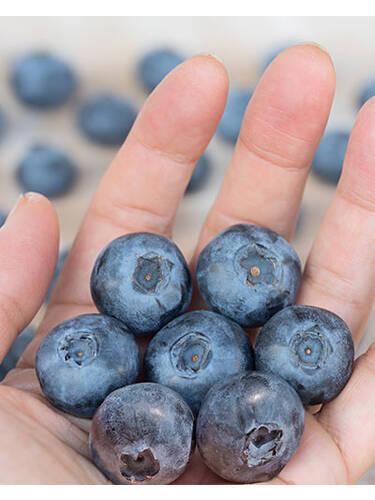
pixel 200 175
pixel 60 263
pixel 329 157
pixel 301 216
pixel 42 80
pixel 3 218
pixel 155 65
pixel 47 170
pixel 230 123
pixel 107 119
pixel 367 92
pixel 16 351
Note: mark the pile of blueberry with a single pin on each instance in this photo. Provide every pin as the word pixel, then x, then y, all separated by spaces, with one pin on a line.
pixel 44 82
pixel 200 380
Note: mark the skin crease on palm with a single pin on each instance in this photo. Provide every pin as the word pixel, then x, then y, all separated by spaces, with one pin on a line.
pixel 141 191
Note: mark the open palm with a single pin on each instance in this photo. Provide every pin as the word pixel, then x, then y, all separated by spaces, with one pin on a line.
pixel 141 192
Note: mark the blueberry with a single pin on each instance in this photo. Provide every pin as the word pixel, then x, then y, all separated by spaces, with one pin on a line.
pixel 60 262
pixel 84 359
pixel 155 65
pixel 42 80
pixel 196 350
pixel 310 348
pixel 143 280
pixel 107 119
pixel 47 170
pixel 230 124
pixel 3 218
pixel 15 352
pixel 249 426
pixel 329 157
pixel 367 92
pixel 142 434
pixel 199 175
pixel 248 273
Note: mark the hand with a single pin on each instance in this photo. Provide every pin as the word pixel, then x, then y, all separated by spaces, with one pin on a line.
pixel 141 192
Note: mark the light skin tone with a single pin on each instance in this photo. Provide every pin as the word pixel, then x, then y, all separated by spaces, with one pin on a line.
pixel 141 191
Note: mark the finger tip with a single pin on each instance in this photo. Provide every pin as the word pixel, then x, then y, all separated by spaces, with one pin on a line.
pixel 212 66
pixel 43 205
pixel 207 78
pixel 358 178
pixel 368 109
pixel 315 51
pixel 363 133
pixel 300 81
pixel 313 61
pixel 36 199
pixel 192 96
pixel 358 172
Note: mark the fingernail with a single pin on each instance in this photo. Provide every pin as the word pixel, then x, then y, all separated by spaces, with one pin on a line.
pixel 210 54
pixel 22 199
pixel 31 196
pixel 315 44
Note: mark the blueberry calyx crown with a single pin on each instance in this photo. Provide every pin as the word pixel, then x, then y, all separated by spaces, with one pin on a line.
pixel 144 466
pixel 254 263
pixel 151 272
pixel 262 443
pixel 190 354
pixel 78 349
pixel 311 348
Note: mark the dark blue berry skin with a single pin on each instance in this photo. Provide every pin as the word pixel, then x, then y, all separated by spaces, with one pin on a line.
pixel 15 352
pixel 142 434
pixel 60 262
pixel 84 359
pixel 248 273
pixel 230 124
pixel 329 157
pixel 155 65
pixel 199 176
pixel 249 427
pixel 309 347
pixel 143 280
pixel 3 218
pixel 47 170
pixel 42 80
pixel 107 119
pixel 367 92
pixel 194 352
